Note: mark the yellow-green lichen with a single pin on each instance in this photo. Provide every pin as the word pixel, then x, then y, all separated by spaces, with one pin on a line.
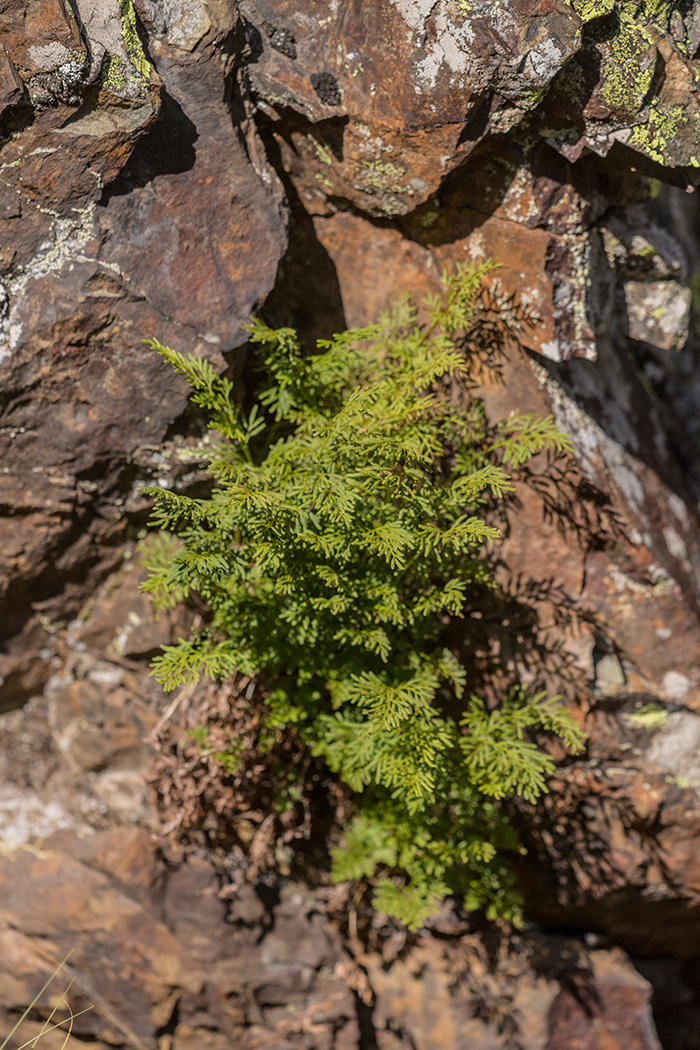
pixel 679 782
pixel 128 72
pixel 645 252
pixel 531 97
pixel 322 153
pixel 132 41
pixel 587 10
pixel 648 717
pixel 661 127
pixel 645 11
pixel 630 69
pixel 658 10
pixel 381 175
pixel 113 75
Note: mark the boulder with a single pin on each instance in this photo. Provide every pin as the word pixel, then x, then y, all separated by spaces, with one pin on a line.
pixel 108 242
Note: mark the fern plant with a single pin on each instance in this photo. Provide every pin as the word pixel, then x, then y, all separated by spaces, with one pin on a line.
pixel 346 527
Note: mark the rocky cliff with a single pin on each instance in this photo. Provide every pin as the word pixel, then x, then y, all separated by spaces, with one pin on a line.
pixel 167 168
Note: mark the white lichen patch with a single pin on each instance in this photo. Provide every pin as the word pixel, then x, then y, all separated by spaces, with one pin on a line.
pixel 414 11
pixel 448 51
pixel 61 76
pixel 476 247
pixel 448 45
pixel 449 39
pixel 543 62
pixel 532 297
pixel 69 237
pixel 183 22
pixel 48 57
pixel 658 312
pixel 27 818
pixel 676 748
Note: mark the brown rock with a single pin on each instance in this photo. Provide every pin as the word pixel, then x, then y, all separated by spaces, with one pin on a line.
pixel 123 621
pixel 146 263
pixel 11 86
pixel 25 665
pixel 548 993
pixel 414 109
pixel 95 731
pixel 40 38
pixel 195 910
pixel 612 1014
pixel 616 841
pixel 123 956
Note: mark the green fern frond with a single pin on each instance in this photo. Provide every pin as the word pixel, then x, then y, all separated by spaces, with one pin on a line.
pixel 411 905
pixel 346 530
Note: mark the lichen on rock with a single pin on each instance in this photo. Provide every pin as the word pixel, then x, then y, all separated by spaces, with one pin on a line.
pixel 662 129
pixel 645 58
pixel 587 10
pixel 629 70
pixel 125 69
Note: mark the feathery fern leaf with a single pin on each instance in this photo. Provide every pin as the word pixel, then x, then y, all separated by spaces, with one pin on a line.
pixel 346 529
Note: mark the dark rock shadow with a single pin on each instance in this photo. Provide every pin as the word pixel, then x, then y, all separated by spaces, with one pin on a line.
pixel 15 119
pixel 167 149
pixel 468 196
pixel 675 1000
pixel 306 295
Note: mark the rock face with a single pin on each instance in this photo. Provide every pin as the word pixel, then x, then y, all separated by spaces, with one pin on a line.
pixel 168 168
pixel 178 956
pixel 114 229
